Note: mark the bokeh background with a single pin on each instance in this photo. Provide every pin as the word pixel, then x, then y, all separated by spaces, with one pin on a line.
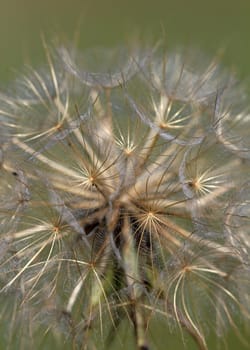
pixel 207 24
pixel 210 25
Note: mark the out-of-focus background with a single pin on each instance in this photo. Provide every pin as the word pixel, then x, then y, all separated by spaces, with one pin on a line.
pixel 207 24
pixel 210 25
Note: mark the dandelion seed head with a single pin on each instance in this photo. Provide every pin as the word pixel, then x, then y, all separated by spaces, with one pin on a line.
pixel 124 194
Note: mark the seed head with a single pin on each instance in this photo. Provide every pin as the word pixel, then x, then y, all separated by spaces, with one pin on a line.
pixel 124 197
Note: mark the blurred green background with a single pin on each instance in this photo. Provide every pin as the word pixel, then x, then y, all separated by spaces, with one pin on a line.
pixel 209 25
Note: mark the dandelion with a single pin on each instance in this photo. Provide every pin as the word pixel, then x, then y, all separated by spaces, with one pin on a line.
pixel 124 199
